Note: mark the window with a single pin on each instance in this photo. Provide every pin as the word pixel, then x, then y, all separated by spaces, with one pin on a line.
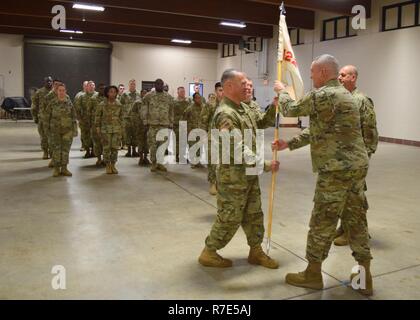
pixel 228 50
pixel 253 44
pixel 401 15
pixel 296 37
pixel 337 28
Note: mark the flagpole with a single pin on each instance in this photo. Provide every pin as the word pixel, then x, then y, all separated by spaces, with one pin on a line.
pixel 276 137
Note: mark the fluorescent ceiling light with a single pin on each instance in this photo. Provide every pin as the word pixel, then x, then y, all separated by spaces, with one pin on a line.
pixel 181 41
pixel 233 24
pixel 87 7
pixel 71 31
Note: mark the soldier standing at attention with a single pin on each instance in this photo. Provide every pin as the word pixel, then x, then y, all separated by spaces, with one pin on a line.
pixel 158 114
pixel 238 193
pixel 206 119
pixel 140 130
pixel 75 103
pixel 108 123
pixel 181 103
pixel 93 104
pixel 45 105
pixel 264 119
pixel 39 115
pixel 339 157
pixel 62 127
pixel 129 134
pixel 82 110
pixel 193 117
pixel 348 77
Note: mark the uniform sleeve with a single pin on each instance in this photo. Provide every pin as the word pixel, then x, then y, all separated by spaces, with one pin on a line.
pixel 368 125
pixel 228 125
pixel 300 140
pixel 98 116
pixel 204 117
pixel 171 112
pixel 48 112
pixel 266 119
pixel 291 108
pixel 77 107
pixel 35 106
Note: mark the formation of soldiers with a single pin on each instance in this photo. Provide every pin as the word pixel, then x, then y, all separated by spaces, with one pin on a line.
pixel 342 136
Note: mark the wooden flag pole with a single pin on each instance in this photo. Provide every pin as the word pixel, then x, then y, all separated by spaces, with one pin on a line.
pixel 276 137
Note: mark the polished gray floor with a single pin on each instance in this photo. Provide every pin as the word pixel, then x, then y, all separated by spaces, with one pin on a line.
pixel 137 235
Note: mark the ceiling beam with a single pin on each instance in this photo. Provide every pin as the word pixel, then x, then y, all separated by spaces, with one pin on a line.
pixel 48 33
pixel 340 7
pixel 246 11
pixel 42 8
pixel 118 30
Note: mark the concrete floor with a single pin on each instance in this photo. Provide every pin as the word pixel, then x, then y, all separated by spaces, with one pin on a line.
pixel 137 235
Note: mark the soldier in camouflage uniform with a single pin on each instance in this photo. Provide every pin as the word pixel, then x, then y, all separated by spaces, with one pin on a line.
pixel 206 119
pixel 108 123
pixel 181 104
pixel 339 157
pixel 61 127
pixel 192 115
pixel 238 193
pixel 93 104
pixel 157 114
pixel 121 89
pixel 141 132
pixel 130 123
pixel 39 114
pixel 77 97
pixel 82 109
pixel 348 78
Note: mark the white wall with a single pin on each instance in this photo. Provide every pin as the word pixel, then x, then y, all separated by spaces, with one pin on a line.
pixel 177 66
pixel 388 63
pixel 11 65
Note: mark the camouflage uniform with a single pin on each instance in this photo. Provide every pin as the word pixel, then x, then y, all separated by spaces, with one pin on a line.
pixel 61 127
pixel 192 115
pixel 108 121
pixel 340 158
pixel 206 116
pixel 129 123
pixel 158 113
pixel 139 127
pixel 93 105
pixel 82 109
pixel 179 109
pixel 369 131
pixel 238 194
pixel 38 113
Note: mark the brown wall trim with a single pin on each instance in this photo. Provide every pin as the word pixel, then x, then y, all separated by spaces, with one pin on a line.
pixel 400 141
pixel 289 125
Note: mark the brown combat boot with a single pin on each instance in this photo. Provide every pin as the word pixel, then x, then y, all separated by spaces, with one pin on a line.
pixel 99 162
pixel 51 164
pixel 213 189
pixel 45 155
pixel 56 172
pixel 258 257
pixel 87 154
pixel 108 169
pixel 310 278
pixel 141 160
pixel 153 168
pixel 135 153
pixel 368 291
pixel 128 154
pixel 114 170
pixel 210 258
pixel 65 172
pixel 161 167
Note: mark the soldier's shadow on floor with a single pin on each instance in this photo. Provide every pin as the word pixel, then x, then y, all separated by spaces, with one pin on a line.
pixel 27 171
pixel 25 151
pixel 21 160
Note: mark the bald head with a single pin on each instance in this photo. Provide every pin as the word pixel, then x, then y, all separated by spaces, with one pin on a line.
pixel 324 68
pixel 348 77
